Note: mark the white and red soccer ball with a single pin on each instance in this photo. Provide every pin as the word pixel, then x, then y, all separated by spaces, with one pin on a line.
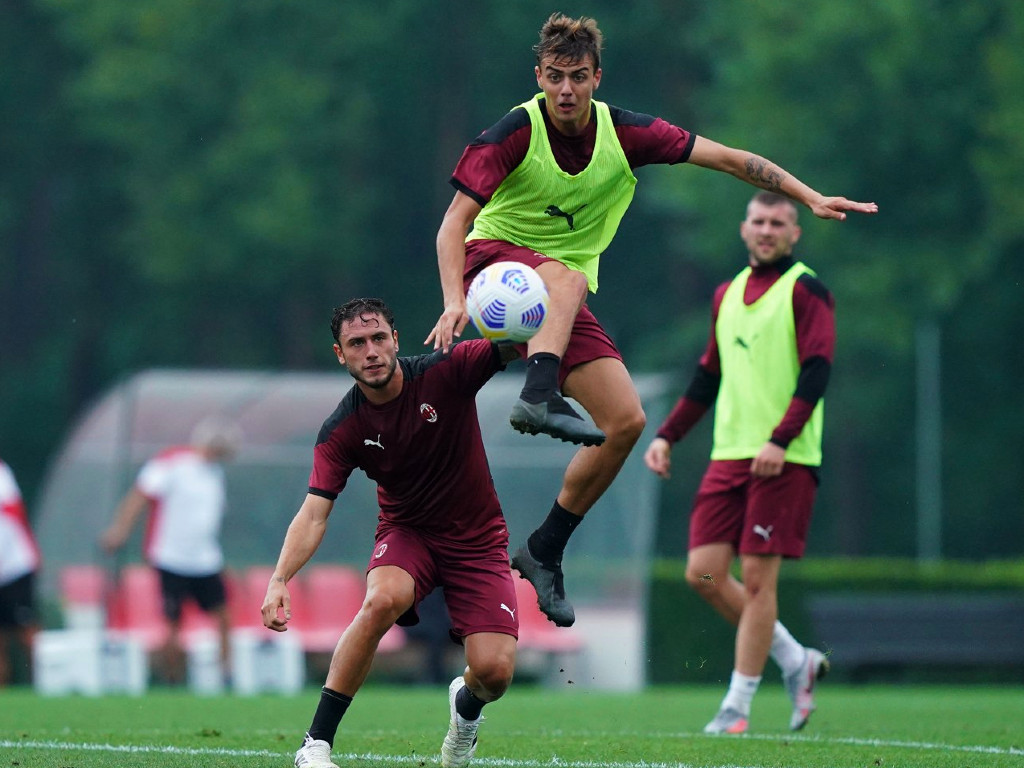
pixel 507 301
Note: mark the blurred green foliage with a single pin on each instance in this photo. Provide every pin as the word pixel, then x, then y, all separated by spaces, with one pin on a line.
pixel 198 184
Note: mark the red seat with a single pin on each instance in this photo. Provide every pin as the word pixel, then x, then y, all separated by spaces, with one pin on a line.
pixel 83 584
pixel 244 600
pixel 336 594
pixel 138 607
pixel 536 631
pixel 84 594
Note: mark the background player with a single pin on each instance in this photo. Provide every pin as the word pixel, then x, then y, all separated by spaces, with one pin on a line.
pixel 765 369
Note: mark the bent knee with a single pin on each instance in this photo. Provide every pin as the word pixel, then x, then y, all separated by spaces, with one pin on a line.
pixel 495 677
pixel 381 608
pixel 625 429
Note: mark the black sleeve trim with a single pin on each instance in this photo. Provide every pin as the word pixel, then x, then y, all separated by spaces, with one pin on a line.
pixel 467 191
pixel 813 379
pixel 704 386
pixel 323 494
pixel 685 154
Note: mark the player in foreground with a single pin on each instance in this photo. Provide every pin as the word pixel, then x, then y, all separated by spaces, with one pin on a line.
pixel 440 521
pixel 765 370
pixel 547 185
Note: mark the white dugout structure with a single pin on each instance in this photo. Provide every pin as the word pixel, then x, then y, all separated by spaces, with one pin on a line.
pixel 608 560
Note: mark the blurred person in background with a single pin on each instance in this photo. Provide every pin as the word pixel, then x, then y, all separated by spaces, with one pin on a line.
pixel 183 490
pixel 19 563
pixel 410 424
pixel 547 185
pixel 765 369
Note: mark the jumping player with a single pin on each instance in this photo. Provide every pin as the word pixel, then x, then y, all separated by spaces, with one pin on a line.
pixel 547 186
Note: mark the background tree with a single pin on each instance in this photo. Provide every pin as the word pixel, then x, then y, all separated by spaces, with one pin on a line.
pixel 197 184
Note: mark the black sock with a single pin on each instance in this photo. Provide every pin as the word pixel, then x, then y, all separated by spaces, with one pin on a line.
pixel 547 543
pixel 467 704
pixel 328 714
pixel 541 377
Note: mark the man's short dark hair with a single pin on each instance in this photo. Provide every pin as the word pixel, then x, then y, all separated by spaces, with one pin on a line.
pixel 350 310
pixel 569 39
pixel 772 199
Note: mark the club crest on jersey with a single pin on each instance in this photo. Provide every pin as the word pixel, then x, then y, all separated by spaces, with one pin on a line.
pixel 428 413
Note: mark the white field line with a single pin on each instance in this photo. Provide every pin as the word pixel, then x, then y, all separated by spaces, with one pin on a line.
pixel 506 762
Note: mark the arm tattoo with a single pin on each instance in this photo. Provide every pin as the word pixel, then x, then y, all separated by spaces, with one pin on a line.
pixel 764 174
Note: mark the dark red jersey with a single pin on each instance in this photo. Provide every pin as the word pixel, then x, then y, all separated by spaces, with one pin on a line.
pixel 499 150
pixel 423 449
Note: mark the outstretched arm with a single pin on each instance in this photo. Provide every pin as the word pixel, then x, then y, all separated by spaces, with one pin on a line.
pixel 765 174
pixel 128 512
pixel 451 263
pixel 304 535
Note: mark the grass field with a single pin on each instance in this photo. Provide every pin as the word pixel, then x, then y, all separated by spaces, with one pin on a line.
pixel 922 727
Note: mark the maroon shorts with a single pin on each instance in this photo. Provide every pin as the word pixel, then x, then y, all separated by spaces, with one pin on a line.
pixel 588 341
pixel 477 582
pixel 758 516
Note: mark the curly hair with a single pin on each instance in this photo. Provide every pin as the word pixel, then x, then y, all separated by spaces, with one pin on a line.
pixel 357 308
pixel 569 39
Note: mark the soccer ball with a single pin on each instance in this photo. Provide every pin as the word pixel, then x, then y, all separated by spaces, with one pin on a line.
pixel 507 301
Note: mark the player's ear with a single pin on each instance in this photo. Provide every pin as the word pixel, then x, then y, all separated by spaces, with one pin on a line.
pixel 394 335
pixel 339 354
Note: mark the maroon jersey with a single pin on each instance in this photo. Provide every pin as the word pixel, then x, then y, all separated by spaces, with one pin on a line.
pixel 814 317
pixel 499 150
pixel 423 449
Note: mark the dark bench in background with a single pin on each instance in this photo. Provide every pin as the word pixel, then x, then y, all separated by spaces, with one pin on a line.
pixel 917 629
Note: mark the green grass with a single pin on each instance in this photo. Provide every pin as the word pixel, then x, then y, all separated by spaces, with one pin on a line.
pixel 933 727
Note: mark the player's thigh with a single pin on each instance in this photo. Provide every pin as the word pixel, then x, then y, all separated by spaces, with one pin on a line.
pixel 719 508
pixel 208 591
pixel 778 515
pixel 174 591
pixel 17 603
pixel 404 550
pixel 606 390
pixel 480 593
pixel 391 587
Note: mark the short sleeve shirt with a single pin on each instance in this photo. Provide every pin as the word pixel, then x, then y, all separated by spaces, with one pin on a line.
pixel 19 553
pixel 423 449
pixel 187 498
pixel 496 152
